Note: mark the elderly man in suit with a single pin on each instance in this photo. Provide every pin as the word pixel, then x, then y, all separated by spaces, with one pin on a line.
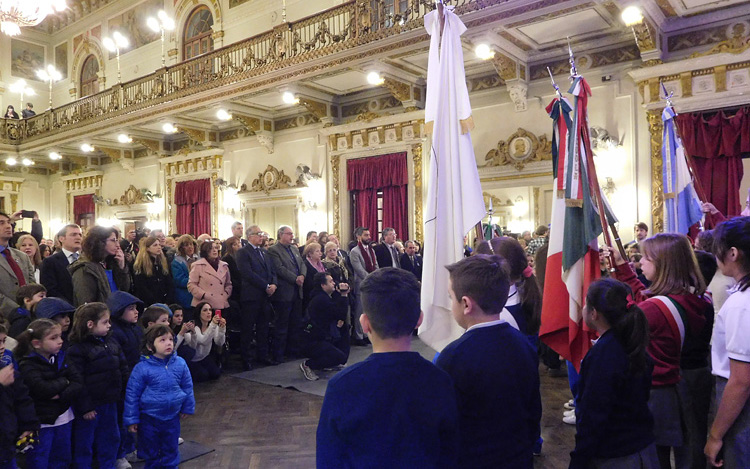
pixel 15 268
pixel 410 260
pixel 258 285
pixel 387 252
pixel 287 301
pixel 54 274
pixel 363 261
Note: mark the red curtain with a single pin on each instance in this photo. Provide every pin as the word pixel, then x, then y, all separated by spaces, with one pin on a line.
pixel 83 205
pixel 717 141
pixel 193 200
pixel 386 173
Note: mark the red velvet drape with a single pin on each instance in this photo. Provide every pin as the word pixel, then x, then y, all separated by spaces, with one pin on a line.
pixel 83 205
pixel 717 141
pixel 193 200
pixel 386 173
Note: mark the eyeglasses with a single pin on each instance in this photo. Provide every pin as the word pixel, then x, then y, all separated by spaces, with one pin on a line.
pixel 210 240
pixel 260 233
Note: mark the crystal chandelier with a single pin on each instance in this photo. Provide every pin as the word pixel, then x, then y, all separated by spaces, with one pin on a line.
pixel 15 14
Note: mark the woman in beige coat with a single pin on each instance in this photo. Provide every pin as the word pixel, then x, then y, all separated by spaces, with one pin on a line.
pixel 209 278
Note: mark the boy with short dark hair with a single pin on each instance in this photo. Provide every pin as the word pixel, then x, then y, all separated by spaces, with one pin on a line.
pixel 27 297
pixel 154 315
pixel 494 370
pixel 394 409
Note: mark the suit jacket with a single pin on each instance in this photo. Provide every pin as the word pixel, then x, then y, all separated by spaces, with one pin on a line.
pixel 415 267
pixel 9 281
pixel 207 284
pixel 257 272
pixel 286 272
pixel 56 278
pixel 383 253
pixel 358 265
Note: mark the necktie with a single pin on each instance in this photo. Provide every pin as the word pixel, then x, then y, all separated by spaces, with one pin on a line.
pixel 73 257
pixel 394 253
pixel 260 253
pixel 294 260
pixel 15 267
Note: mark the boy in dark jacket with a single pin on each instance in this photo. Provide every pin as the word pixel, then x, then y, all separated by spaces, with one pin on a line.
pixel 126 331
pixel 17 416
pixel 27 296
pixel 58 310
pixel 326 333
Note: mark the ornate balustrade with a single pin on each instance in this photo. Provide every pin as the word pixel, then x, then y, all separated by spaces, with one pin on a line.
pixel 352 24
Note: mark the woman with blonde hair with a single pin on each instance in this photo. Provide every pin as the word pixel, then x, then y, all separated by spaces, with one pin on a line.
pixel 152 282
pixel 187 253
pixel 335 265
pixel 28 244
pixel 680 319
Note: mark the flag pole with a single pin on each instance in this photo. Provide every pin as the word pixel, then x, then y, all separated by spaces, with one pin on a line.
pixel 688 158
pixel 594 182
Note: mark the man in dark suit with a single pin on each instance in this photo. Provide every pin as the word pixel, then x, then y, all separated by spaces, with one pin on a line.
pixel 386 252
pixel 258 285
pixel 287 301
pixel 237 232
pixel 54 274
pixel 411 261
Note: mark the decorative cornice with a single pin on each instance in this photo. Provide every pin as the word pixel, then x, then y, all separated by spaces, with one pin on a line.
pixel 519 149
pixel 270 179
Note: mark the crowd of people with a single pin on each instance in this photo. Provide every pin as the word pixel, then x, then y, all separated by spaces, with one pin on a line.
pixel 102 336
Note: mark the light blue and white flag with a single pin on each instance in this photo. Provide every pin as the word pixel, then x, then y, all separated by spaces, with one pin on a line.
pixel 682 207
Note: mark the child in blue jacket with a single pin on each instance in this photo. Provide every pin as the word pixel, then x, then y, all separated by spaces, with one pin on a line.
pixel 159 391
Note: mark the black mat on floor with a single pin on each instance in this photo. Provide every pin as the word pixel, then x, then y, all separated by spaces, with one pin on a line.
pixel 188 450
pixel 289 375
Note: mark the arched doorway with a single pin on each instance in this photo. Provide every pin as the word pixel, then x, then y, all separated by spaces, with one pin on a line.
pixel 90 76
pixel 197 38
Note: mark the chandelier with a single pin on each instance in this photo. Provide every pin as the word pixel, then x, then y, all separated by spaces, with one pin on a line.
pixel 15 14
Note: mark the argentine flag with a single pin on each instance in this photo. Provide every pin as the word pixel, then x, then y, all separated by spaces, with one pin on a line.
pixel 681 204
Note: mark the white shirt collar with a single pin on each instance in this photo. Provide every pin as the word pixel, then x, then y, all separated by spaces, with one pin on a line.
pixel 67 253
pixel 486 324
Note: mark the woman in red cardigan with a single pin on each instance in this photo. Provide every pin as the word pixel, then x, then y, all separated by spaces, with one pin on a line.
pixel 676 309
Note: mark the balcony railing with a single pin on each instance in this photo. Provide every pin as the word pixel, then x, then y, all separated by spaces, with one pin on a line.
pixel 343 27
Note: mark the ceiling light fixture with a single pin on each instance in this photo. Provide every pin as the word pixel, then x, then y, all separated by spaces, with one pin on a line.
pixel 53 155
pixel 484 52
pixel 16 14
pixel 169 128
pixel 375 79
pixel 86 148
pixel 124 138
pixel 224 115
pixel 632 16
pixel 289 98
pixel 27 162
pixel 10 161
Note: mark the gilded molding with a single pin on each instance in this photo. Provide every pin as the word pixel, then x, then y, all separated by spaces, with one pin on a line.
pixel 399 89
pixel 316 108
pixel 738 43
pixel 198 167
pixel 645 36
pixel 655 128
pixel 519 149
pixel 251 124
pixel 506 68
pixel 418 175
pixel 114 153
pixel 13 203
pixel 537 217
pixel 270 179
pixel 336 181
pixel 195 135
pixel 720 78
pixel 686 83
pixel 153 146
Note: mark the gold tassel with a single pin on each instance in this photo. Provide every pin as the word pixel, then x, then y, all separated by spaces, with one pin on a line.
pixel 467 125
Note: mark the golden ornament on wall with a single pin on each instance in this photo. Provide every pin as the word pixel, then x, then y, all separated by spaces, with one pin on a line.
pixel 270 179
pixel 519 149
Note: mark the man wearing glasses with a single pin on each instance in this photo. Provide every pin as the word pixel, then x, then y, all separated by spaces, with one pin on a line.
pixel 258 285
pixel 291 271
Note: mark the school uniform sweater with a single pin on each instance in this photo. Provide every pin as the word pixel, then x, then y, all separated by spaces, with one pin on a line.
pixel 393 409
pixel 612 415
pixel 495 374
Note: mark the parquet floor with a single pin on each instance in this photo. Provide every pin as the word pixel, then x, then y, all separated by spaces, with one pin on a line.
pixel 252 425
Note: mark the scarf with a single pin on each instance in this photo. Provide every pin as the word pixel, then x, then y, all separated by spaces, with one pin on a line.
pixel 317 265
pixel 213 263
pixel 368 256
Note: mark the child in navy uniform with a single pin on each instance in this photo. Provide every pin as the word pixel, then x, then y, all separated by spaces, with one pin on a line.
pixel 59 311
pixel 614 427
pixel 159 391
pixel 6 356
pixel 27 296
pixel 54 386
pixel 17 416
pixel 494 370
pixel 101 363
pixel 377 413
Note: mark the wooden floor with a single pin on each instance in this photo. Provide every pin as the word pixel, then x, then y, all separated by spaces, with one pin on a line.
pixel 252 425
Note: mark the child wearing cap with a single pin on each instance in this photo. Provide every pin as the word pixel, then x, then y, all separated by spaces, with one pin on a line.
pixel 59 311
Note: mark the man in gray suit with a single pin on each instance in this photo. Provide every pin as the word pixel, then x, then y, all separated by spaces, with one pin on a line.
pixel 287 301
pixel 363 261
pixel 15 268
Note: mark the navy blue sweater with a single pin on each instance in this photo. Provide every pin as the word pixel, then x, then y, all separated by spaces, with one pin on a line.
pixel 53 386
pixel 495 374
pixel 102 365
pixel 612 414
pixel 391 410
pixel 129 336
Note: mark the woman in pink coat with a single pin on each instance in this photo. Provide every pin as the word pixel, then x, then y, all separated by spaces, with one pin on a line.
pixel 209 279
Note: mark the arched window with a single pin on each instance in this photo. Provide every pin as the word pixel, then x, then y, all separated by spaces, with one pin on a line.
pixel 197 38
pixel 90 76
